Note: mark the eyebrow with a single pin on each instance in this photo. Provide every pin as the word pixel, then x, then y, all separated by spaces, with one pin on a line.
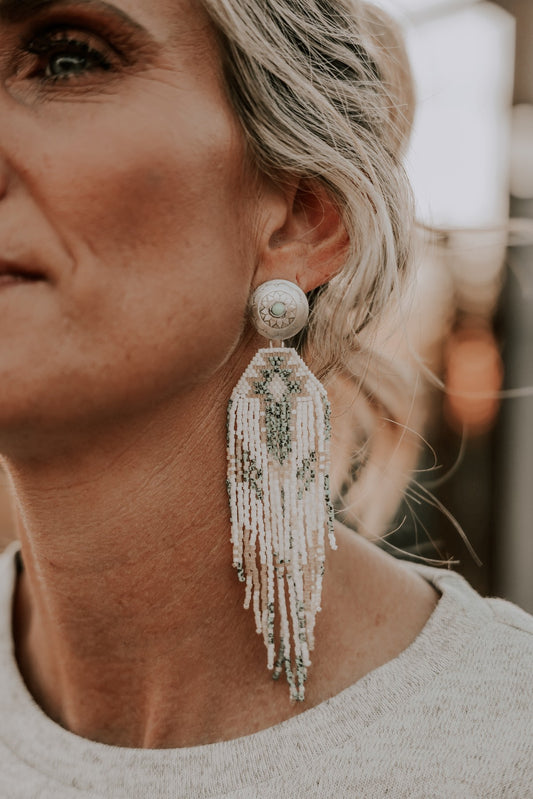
pixel 16 11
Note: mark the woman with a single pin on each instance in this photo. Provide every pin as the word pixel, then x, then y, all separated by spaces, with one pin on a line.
pixel 160 161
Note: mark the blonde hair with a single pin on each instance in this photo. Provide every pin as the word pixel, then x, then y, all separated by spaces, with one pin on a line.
pixel 323 91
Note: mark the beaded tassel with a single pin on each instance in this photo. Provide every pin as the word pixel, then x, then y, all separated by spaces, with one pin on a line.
pixel 278 486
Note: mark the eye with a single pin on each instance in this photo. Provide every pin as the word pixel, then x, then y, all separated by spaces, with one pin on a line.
pixel 61 56
pixel 73 61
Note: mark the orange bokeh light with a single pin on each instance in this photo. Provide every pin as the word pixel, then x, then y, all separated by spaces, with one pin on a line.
pixel 474 376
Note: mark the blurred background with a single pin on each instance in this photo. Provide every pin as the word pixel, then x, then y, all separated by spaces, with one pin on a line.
pixel 471 164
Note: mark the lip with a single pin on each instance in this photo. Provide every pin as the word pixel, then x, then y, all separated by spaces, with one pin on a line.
pixel 12 272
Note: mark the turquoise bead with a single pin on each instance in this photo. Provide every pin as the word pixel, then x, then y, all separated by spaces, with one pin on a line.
pixel 278 310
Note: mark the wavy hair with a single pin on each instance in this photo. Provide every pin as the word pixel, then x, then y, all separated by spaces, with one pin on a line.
pixel 324 92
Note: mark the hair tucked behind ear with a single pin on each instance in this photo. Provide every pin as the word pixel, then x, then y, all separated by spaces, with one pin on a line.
pixel 323 91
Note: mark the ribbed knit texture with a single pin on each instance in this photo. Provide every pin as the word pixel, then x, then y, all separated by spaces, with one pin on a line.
pixel 451 716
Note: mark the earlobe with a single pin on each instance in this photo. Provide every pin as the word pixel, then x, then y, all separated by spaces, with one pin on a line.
pixel 310 246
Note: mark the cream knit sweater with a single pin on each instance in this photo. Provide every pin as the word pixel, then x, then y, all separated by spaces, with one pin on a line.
pixel 451 716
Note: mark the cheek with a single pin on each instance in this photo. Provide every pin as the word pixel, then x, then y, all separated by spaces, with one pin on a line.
pixel 152 290
pixel 155 227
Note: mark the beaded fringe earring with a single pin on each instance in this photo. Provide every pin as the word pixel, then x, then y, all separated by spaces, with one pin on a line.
pixel 278 485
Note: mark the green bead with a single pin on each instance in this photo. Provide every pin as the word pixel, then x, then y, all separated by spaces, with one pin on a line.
pixel 278 310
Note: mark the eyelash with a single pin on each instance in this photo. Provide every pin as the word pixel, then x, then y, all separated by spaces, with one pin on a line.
pixel 48 45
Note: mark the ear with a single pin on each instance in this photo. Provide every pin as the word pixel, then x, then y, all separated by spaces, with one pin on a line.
pixel 304 239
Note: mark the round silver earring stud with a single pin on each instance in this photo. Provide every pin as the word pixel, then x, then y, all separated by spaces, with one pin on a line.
pixel 279 309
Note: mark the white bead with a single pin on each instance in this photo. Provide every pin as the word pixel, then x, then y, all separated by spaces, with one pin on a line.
pixel 277 535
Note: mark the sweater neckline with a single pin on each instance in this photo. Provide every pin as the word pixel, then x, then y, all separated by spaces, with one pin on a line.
pixel 218 768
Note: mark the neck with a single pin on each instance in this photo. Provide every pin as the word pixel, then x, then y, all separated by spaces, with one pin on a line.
pixel 129 623
pixel 128 587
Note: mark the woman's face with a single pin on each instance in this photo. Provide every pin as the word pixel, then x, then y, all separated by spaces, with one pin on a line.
pixel 123 193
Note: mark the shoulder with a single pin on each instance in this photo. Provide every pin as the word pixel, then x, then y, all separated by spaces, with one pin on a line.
pixel 501 633
pixel 450 716
pixel 480 704
pixel 464 697
pixel 511 616
pixel 496 636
